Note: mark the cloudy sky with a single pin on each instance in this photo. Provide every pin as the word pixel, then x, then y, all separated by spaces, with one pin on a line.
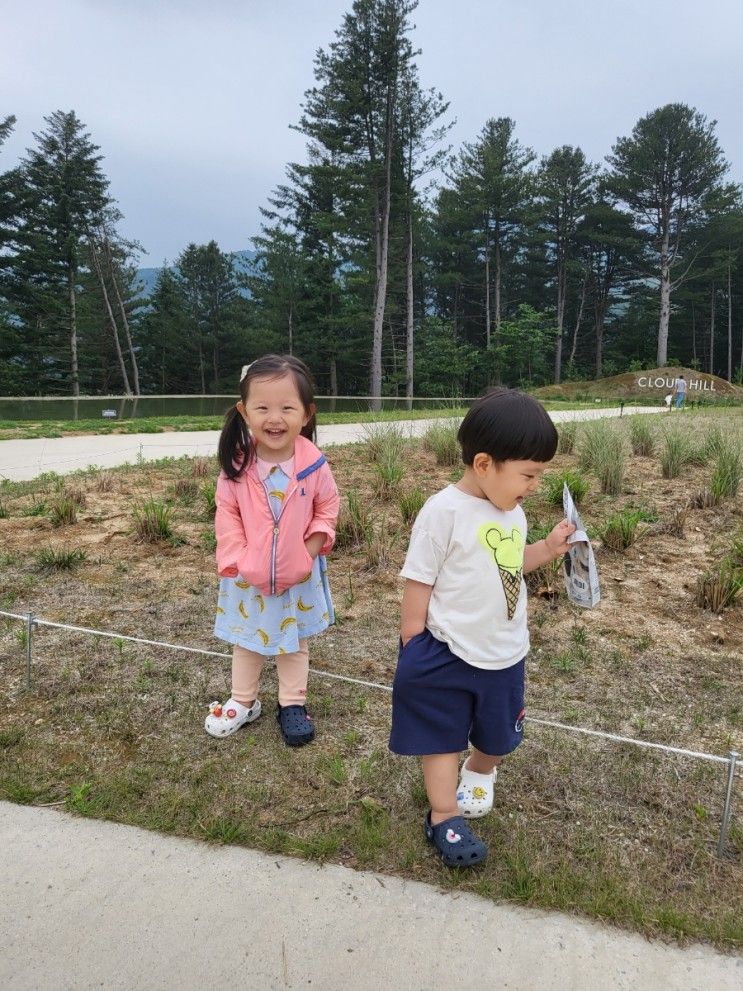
pixel 191 102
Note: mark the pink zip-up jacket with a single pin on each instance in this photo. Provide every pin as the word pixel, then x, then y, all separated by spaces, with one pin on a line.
pixel 267 553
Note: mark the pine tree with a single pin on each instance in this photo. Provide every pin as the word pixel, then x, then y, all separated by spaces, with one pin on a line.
pixel 65 194
pixel 668 173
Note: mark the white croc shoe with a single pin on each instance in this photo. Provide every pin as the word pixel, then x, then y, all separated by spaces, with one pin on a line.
pixel 475 792
pixel 224 720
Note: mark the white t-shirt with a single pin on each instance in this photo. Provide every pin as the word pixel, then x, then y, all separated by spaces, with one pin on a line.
pixel 680 385
pixel 473 555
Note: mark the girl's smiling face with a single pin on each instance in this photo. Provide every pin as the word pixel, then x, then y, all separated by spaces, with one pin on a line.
pixel 275 415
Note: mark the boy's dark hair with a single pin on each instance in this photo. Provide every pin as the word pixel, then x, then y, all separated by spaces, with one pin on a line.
pixel 235 451
pixel 509 426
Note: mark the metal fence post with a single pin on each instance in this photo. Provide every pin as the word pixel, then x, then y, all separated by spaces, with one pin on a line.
pixel 29 647
pixel 725 822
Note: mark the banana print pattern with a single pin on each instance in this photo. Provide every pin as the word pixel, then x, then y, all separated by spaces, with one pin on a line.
pixel 242 584
pixel 242 610
pixel 302 607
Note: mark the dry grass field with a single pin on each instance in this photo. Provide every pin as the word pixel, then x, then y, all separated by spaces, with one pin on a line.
pixel 114 730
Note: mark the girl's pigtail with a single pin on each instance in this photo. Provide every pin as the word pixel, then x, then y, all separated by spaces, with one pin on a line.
pixel 309 430
pixel 235 446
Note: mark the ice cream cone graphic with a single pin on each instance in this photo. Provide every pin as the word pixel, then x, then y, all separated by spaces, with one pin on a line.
pixel 512 588
pixel 507 550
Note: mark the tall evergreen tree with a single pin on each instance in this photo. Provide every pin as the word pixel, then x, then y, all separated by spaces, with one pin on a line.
pixel 668 173
pixel 566 188
pixel 65 194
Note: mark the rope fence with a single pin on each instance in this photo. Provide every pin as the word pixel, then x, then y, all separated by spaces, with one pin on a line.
pixel 731 760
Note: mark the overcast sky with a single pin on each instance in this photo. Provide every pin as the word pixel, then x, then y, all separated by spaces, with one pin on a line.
pixel 191 101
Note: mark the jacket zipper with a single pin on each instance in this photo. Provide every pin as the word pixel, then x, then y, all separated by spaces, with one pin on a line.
pixel 275 537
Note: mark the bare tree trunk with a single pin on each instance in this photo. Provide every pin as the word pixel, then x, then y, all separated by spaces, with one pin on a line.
pixel 71 274
pixel 599 311
pixel 487 282
pixel 730 326
pixel 201 367
pixel 561 289
pixel 114 328
pixel 291 329
pixel 571 359
pixel 693 333
pixel 381 288
pixel 124 320
pixel 497 283
pixel 409 316
pixel 665 302
pixel 712 332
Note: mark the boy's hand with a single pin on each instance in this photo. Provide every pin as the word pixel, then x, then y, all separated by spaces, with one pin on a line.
pixel 557 541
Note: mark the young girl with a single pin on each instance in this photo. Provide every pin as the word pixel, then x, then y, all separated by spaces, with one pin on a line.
pixel 463 634
pixel 277 506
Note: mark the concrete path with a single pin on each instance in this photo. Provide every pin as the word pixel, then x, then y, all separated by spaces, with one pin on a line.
pixel 90 904
pixel 23 459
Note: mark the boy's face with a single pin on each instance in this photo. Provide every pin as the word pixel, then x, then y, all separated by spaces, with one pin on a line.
pixel 507 483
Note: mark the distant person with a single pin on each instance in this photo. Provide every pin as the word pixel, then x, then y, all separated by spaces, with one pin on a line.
pixel 277 505
pixel 679 391
pixel 459 683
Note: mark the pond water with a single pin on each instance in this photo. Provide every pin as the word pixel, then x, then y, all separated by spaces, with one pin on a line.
pixel 128 408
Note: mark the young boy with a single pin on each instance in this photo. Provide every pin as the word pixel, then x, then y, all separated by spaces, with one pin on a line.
pixel 460 674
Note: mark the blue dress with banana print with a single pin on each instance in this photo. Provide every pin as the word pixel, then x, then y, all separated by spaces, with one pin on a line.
pixel 274 624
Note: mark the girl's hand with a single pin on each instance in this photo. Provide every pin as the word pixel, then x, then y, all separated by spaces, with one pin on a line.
pixel 557 541
pixel 314 543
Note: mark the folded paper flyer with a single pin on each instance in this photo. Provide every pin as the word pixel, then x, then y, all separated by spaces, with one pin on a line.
pixel 581 573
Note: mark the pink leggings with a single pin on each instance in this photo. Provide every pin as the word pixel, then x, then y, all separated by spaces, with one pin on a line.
pixel 292 670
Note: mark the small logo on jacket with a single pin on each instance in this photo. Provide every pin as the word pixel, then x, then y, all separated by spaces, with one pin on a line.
pixel 519 724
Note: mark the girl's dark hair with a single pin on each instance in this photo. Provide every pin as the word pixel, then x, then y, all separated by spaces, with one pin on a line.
pixel 509 426
pixel 235 449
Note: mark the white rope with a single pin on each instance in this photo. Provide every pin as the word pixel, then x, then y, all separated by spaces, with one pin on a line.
pixel 370 684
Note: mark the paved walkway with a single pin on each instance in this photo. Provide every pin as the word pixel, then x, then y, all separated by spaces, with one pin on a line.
pixel 22 459
pixel 89 904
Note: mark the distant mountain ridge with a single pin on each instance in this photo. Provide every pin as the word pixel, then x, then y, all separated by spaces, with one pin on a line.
pixel 148 276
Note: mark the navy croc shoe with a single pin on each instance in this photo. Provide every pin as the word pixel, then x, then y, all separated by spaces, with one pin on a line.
pixel 455 842
pixel 296 725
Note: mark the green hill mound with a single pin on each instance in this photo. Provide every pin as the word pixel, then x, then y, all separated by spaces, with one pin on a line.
pixel 646 386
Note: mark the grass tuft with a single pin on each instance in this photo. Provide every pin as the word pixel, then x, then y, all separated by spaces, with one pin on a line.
pixel 441 440
pixel 152 521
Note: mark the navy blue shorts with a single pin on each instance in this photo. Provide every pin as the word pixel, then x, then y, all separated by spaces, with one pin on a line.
pixel 441 704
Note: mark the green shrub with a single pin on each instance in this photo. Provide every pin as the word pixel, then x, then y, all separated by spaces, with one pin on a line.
pixel 610 464
pixel 209 492
pixel 577 483
pixel 152 521
pixel 63 512
pixel 50 559
pixel 354 526
pixel 388 471
pixel 641 437
pixel 620 531
pixel 566 435
pixel 185 490
pixel 441 440
pixel 676 454
pixel 411 504
pixel 718 589
pixel 727 472
pixel 594 439
pixel 384 442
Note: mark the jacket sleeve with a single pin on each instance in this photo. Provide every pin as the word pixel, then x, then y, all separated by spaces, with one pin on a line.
pixel 325 508
pixel 229 531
